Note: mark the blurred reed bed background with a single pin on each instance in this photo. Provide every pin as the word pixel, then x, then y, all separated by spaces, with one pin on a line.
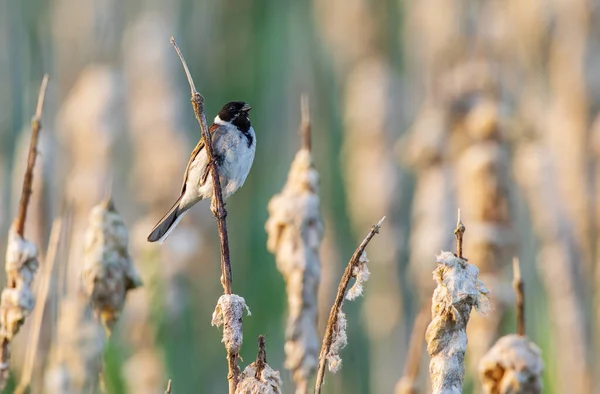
pixel 417 108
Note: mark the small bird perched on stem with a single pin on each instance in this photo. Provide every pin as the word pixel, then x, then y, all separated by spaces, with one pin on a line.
pixel 233 144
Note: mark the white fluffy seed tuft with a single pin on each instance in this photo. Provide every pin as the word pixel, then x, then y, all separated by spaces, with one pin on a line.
pixel 229 313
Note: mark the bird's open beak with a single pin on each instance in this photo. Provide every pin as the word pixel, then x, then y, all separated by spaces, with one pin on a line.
pixel 246 108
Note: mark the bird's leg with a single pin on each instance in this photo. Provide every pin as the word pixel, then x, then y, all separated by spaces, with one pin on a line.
pixel 214 208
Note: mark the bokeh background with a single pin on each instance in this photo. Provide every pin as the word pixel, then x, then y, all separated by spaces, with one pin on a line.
pixel 418 108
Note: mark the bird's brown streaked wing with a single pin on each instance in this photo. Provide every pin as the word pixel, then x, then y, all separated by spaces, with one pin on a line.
pixel 195 152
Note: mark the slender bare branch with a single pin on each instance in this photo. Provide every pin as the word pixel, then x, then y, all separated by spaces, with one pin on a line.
pixel 519 289
pixel 36 126
pixel 185 67
pixel 168 390
pixel 337 305
pixel 219 207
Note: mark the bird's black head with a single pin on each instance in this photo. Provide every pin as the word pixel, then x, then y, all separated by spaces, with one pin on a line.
pixel 236 112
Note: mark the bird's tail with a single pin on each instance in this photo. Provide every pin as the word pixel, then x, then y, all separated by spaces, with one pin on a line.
pixel 167 224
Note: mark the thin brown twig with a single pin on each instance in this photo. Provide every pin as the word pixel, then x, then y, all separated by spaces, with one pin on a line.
pixel 42 296
pixel 219 207
pixel 305 124
pixel 459 232
pixel 168 390
pixel 36 126
pixel 519 289
pixel 337 304
pixel 261 357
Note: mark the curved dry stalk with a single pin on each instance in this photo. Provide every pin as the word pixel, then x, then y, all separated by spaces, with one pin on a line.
pixel 217 206
pixel 36 126
pixel 21 257
pixel 336 325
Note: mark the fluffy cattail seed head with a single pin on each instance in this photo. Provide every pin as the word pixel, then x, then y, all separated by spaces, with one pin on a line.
pixel 512 366
pixel 458 291
pixel 17 298
pixel 108 272
pixel 229 313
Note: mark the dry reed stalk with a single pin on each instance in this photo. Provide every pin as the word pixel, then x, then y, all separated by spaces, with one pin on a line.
pixel 514 364
pixel 556 264
pixel 458 291
pixel 295 233
pixel 77 351
pixel 259 377
pixel 108 271
pixel 335 338
pixel 408 383
pixel 21 257
pixel 370 114
pixel 229 309
pixel 41 296
pixel 168 390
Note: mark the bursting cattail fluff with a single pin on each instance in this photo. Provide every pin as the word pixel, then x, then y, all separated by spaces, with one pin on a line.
pixel 228 313
pixel 108 272
pixel 17 298
pixel 458 291
pixel 512 366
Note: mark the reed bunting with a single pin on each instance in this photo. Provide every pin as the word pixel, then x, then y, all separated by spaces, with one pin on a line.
pixel 234 144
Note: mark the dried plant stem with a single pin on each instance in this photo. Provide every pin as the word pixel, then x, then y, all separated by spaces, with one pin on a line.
pixel 36 126
pixel 19 224
pixel 519 290
pixel 42 296
pixel 168 390
pixel 261 357
pixel 219 208
pixel 217 205
pixel 459 233
pixel 337 305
